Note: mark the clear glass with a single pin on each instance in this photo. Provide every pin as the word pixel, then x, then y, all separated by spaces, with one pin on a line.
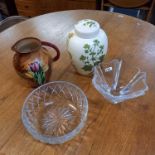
pixel 117 81
pixel 55 112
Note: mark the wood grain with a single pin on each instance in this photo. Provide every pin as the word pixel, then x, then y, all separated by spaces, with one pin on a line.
pixel 124 129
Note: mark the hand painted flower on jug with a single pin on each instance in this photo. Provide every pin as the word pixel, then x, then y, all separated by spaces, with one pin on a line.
pixel 34 67
pixel 36 70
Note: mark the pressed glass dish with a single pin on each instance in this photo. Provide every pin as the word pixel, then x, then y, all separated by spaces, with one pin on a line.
pixel 117 81
pixel 55 112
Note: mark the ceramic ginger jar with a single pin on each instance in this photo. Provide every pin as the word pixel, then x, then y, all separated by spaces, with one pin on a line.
pixel 87 45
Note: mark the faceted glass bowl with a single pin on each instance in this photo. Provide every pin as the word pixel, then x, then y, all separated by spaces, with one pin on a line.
pixel 55 112
pixel 118 81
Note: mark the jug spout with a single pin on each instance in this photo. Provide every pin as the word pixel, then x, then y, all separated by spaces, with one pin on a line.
pixel 13 48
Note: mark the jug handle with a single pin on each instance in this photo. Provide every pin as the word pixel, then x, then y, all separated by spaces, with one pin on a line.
pixel 44 43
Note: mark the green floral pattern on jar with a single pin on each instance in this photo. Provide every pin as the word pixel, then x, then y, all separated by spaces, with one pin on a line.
pixel 89 23
pixel 93 55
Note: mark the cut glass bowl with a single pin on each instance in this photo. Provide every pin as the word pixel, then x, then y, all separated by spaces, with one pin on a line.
pixel 55 112
pixel 117 81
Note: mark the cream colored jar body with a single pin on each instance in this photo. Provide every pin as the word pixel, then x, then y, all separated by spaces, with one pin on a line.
pixel 87 45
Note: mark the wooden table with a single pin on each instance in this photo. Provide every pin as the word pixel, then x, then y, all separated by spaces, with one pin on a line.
pixel 124 129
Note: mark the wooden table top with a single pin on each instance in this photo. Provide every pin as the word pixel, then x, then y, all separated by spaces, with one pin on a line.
pixel 124 129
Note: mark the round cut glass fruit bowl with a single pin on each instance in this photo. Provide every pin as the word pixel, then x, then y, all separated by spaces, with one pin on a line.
pixel 55 112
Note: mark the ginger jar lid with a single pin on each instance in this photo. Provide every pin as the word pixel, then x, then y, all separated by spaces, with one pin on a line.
pixel 87 28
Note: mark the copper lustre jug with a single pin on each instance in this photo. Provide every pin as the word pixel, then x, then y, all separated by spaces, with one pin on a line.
pixel 32 60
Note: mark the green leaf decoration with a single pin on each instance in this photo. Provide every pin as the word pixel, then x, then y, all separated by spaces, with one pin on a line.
pixel 87 67
pixel 86 62
pixel 96 42
pixel 86 46
pixel 82 58
pixel 89 23
pixel 101 46
pixel 93 59
pixel 39 80
pixel 39 76
pixel 86 51
pixel 96 63
pixel 93 55
pixel 35 76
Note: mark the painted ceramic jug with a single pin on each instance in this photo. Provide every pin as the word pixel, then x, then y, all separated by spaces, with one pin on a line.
pixel 87 45
pixel 32 60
